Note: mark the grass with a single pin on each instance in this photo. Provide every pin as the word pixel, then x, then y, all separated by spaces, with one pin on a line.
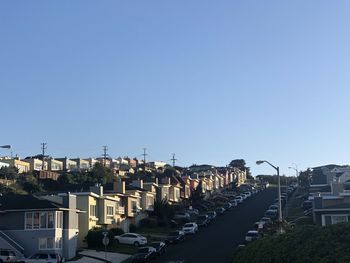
pixel 295 210
pixel 123 249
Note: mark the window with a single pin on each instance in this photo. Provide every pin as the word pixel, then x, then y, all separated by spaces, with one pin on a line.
pixel 339 219
pixel 43 220
pixel 29 220
pixel 134 206
pixel 59 242
pixel 93 210
pixel 110 211
pixel 46 243
pixel 36 220
pixel 50 220
pixel 59 217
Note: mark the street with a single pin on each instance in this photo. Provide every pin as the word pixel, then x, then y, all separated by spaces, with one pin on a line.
pixel 217 242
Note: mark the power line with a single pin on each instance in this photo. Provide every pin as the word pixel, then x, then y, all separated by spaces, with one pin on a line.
pixel 174 159
pixel 144 160
pixel 105 149
pixel 43 148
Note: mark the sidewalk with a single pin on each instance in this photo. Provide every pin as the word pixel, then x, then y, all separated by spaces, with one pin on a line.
pixel 99 256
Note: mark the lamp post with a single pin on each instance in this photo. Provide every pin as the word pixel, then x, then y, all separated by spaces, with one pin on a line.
pixel 295 169
pixel 279 187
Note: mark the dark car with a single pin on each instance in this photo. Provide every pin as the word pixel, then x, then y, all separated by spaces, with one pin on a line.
pixel 159 246
pixel 220 211
pixel 203 220
pixel 144 254
pixel 211 215
pixel 175 237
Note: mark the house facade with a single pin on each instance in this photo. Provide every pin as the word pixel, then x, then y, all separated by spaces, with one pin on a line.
pixel 39 224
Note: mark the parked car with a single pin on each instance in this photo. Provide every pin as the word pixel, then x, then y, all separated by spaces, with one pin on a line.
pixel 192 212
pixel 227 205
pixel 131 239
pixel 203 220
pixel 244 196
pixel 267 220
pixel 211 215
pixel 273 207
pixel 182 215
pixel 190 228
pixel 159 246
pixel 43 257
pixel 175 237
pixel 233 203
pixel 144 254
pixel 239 199
pixel 248 194
pixel 252 235
pixel 220 210
pixel 7 255
pixel 271 214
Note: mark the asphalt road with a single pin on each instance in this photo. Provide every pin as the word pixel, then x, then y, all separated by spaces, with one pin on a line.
pixel 217 242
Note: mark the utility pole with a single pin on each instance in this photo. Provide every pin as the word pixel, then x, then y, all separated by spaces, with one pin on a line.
pixel 43 148
pixel 105 149
pixel 144 160
pixel 173 159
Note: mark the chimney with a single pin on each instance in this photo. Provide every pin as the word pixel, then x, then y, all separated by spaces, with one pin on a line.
pixel 119 186
pixel 137 183
pixel 97 189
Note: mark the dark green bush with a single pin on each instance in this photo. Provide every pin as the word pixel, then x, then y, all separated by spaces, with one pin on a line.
pixel 148 222
pixel 304 244
pixel 132 228
pixel 95 236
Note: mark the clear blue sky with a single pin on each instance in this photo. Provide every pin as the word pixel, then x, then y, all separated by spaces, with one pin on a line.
pixel 208 80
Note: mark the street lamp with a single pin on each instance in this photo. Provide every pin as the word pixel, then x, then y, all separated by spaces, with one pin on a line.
pixel 6 146
pixel 279 187
pixel 295 169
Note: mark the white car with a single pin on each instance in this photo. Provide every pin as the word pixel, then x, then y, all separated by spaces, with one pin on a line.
pixel 131 239
pixel 43 257
pixel 252 235
pixel 7 255
pixel 190 228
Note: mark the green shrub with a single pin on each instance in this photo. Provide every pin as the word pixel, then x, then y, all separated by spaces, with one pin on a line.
pixel 95 236
pixel 148 222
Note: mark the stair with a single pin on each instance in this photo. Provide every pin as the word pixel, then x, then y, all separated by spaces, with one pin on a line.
pixel 12 243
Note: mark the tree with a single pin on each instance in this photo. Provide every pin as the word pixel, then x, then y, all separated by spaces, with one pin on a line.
pixel 9 173
pixel 197 194
pixel 240 164
pixel 163 210
pixel 305 178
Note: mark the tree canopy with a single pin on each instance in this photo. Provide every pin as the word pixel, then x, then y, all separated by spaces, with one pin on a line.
pixel 241 164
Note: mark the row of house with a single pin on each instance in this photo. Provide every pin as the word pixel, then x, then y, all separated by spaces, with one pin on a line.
pixel 120 166
pixel 60 221
pixel 330 194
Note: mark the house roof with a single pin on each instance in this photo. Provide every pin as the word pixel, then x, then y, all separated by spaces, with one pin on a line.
pixel 26 202
pixel 132 187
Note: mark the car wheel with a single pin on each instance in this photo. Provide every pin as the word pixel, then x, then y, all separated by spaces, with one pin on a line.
pixel 136 244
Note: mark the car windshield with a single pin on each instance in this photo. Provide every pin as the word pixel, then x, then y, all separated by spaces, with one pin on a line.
pixel 143 250
pixel 174 233
pixel 188 225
